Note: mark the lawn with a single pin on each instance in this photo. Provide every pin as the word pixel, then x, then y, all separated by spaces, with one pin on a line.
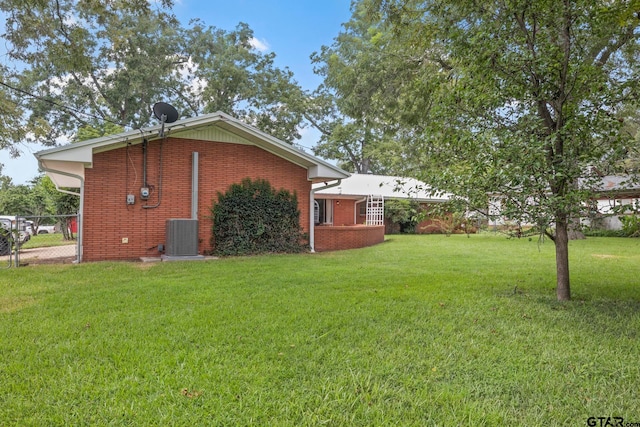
pixel 47 240
pixel 420 330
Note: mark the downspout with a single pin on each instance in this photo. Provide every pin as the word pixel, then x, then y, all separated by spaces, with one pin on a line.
pixel 355 209
pixel 312 209
pixel 194 185
pixel 81 195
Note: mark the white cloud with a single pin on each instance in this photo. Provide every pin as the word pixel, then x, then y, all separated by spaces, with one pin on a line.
pixel 259 45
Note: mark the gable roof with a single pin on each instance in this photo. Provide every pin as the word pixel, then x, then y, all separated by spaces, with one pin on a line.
pixel 619 185
pixel 65 164
pixel 391 187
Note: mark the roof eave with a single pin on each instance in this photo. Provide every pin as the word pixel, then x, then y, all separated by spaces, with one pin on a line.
pixel 82 152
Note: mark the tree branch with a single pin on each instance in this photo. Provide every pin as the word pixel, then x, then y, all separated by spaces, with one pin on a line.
pixel 181 95
pixel 315 124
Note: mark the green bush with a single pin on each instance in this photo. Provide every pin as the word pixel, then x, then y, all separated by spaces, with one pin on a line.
pixel 402 214
pixel 630 225
pixel 598 232
pixel 252 217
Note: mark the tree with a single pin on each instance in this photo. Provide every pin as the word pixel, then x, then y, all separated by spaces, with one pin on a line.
pixel 630 153
pixel 24 200
pixel 37 200
pixel 226 73
pixel 96 130
pixel 16 200
pixel 15 125
pixel 403 215
pixel 76 62
pixel 350 106
pixel 5 181
pixel 63 204
pixel 523 98
pixel 93 63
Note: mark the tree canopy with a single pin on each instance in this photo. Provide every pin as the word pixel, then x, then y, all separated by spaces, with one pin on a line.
pixel 363 82
pixel 518 98
pixel 78 64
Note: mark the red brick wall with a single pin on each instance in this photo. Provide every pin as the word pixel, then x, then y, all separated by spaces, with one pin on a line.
pixel 108 219
pixel 329 238
pixel 343 212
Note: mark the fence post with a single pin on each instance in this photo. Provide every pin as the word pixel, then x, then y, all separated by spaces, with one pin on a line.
pixel 18 244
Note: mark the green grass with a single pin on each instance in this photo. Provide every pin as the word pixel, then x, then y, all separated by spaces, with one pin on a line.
pixel 47 240
pixel 420 330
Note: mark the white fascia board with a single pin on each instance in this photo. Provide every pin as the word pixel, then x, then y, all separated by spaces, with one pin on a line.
pixel 324 171
pixel 83 154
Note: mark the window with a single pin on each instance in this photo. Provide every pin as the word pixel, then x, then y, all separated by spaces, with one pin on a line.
pixel 323 212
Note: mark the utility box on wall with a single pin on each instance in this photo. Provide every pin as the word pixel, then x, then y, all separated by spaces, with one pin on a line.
pixel 182 237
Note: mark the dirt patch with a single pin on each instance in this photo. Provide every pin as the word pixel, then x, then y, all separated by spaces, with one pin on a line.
pixel 13 304
pixel 605 256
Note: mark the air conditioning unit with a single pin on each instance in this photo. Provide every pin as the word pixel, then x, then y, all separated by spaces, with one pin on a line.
pixel 182 238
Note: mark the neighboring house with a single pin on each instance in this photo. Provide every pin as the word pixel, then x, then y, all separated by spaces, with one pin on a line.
pixel 495 218
pixel 351 202
pixel 132 185
pixel 613 195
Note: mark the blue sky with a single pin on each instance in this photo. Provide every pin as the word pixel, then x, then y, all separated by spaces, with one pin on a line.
pixel 292 29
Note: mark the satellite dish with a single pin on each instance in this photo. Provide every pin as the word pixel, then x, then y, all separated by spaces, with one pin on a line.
pixel 166 113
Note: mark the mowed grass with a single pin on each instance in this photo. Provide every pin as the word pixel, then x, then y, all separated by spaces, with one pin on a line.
pixel 47 240
pixel 420 330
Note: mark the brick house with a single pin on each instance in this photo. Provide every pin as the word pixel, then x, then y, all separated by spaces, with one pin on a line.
pixel 131 184
pixel 347 205
pixel 615 196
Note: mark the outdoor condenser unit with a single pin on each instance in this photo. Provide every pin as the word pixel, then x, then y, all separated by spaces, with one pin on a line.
pixel 182 237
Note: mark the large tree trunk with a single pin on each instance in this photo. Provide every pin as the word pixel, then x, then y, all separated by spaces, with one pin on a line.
pixel 563 290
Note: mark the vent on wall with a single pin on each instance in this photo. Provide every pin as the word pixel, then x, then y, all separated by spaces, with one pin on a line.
pixel 182 237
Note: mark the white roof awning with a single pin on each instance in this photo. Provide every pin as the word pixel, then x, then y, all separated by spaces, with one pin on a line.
pixel 390 187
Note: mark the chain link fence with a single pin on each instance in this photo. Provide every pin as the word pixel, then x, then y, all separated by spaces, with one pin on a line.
pixel 28 240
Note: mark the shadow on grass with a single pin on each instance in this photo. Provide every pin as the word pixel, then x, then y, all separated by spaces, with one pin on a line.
pixel 596 313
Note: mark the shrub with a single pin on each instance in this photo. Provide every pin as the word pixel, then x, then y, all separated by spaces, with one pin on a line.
pixel 630 225
pixel 599 232
pixel 402 214
pixel 252 217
